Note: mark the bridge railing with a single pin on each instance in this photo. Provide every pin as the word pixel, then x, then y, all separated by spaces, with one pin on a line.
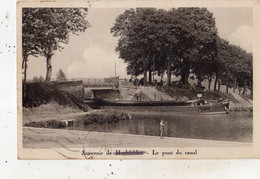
pixel 89 82
pixel 100 82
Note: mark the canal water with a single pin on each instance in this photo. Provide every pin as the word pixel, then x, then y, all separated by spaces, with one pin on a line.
pixel 224 127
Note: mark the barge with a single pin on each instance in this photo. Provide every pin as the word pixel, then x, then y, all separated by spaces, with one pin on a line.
pixel 200 105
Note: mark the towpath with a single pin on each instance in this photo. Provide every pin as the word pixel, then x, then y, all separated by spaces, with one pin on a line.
pixel 61 138
pixel 242 101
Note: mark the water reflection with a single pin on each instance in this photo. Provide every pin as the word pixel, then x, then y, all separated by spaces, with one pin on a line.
pixel 227 127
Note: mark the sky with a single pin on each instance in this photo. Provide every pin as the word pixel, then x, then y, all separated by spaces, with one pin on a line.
pixel 92 54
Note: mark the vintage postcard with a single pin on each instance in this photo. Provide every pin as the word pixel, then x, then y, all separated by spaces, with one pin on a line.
pixel 138 80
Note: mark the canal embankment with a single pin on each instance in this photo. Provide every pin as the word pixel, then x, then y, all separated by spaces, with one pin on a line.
pixel 60 138
pixel 46 105
pixel 79 120
pixel 173 93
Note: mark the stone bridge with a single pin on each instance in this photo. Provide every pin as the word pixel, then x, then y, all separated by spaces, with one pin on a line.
pixel 91 88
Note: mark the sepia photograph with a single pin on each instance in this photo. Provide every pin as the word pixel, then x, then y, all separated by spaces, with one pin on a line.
pixel 133 82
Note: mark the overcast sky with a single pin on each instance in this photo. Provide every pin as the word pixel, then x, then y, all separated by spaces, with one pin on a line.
pixel 92 54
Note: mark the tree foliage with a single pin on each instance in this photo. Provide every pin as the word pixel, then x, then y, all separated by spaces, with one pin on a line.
pixel 60 76
pixel 46 29
pixel 170 39
pixel 234 67
pixel 179 42
pixel 38 79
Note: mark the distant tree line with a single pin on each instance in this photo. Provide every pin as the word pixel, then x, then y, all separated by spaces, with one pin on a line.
pixel 180 42
pixel 60 76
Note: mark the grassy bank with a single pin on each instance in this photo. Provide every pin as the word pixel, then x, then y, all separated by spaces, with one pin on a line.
pixel 39 93
pixel 47 106
pixel 97 117
pixel 188 93
pixel 100 117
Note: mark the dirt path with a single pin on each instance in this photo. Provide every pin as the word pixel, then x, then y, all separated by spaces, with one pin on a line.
pixel 50 111
pixel 242 101
pixel 60 138
pixel 151 93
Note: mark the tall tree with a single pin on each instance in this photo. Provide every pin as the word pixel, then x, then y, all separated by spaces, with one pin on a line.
pixel 197 33
pixel 224 58
pixel 179 41
pixel 138 40
pixel 52 27
pixel 242 69
pixel 29 41
pixel 234 67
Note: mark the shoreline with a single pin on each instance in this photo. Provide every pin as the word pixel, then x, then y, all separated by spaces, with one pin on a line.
pixel 43 138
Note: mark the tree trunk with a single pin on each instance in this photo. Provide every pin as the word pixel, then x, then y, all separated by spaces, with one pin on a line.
pixel 185 75
pixel 150 76
pixel 244 91
pixel 199 80
pixel 48 64
pixel 49 68
pixel 234 87
pixel 145 77
pixel 215 84
pixel 25 70
pixel 218 85
pixel 145 72
pixel 226 88
pixel 24 65
pixel 153 67
pixel 161 78
pixel 144 69
pixel 168 82
pixel 210 79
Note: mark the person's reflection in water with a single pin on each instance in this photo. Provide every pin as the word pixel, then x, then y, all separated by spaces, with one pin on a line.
pixel 161 128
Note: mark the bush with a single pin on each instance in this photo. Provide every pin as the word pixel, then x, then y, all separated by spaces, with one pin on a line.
pixel 47 124
pixel 100 117
pixel 38 93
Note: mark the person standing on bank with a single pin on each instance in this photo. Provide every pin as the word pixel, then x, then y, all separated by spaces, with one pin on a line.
pixel 161 128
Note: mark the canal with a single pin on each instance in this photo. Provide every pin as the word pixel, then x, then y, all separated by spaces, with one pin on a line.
pixel 224 127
